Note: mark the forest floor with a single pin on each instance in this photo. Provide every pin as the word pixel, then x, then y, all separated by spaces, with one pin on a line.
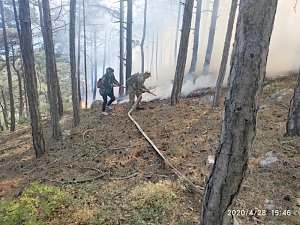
pixel 186 134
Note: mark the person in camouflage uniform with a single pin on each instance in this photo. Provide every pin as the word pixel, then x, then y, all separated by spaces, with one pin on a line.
pixel 136 87
pixel 109 81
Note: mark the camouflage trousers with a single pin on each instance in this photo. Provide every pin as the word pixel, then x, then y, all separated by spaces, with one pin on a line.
pixel 132 93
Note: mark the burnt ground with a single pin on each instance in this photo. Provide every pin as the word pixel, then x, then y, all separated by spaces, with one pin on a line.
pixel 186 135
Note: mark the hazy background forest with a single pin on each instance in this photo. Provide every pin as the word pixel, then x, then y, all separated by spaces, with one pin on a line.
pixel 160 56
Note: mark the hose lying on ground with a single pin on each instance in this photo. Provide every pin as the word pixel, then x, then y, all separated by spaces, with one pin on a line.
pixel 180 175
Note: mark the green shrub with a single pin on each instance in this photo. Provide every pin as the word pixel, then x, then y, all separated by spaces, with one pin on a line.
pixel 23 120
pixel 151 203
pixel 34 206
pixel 148 203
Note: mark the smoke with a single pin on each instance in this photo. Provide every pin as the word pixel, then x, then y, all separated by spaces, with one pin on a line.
pixel 284 52
pixel 161 31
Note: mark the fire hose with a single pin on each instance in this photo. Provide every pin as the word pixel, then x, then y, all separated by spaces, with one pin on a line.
pixel 179 174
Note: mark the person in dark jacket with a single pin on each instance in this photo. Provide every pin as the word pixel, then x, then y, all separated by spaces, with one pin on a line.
pixel 109 81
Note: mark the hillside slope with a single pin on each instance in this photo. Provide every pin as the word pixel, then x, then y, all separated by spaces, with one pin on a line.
pixel 186 134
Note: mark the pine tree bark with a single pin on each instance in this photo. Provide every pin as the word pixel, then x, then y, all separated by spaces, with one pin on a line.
pixel 84 55
pixel 1 127
pixel 51 71
pixel 183 49
pixel 152 53
pixel 196 39
pixel 293 121
pixel 9 76
pixel 25 94
pixel 104 55
pixel 4 110
pixel 78 53
pixel 95 66
pixel 143 38
pixel 30 78
pixel 92 77
pixel 177 28
pixel 156 57
pixel 75 102
pixel 225 54
pixel 211 37
pixel 45 33
pixel 248 69
pixel 19 73
pixel 121 63
pixel 129 40
pixel 20 86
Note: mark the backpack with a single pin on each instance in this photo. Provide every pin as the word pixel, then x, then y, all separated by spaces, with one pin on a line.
pixel 131 79
pixel 100 83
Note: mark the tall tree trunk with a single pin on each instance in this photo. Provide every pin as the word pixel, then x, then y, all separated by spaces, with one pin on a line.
pixel 143 38
pixel 84 54
pixel 30 78
pixel 78 53
pixel 225 54
pixel 16 20
pixel 75 102
pixel 129 40
pixel 9 76
pixel 121 63
pixel 20 87
pixel 152 53
pixel 4 110
pixel 156 57
pixel 177 29
pixel 293 121
pixel 25 93
pixel 95 66
pixel 248 69
pixel 196 39
pixel 54 69
pixel 183 49
pixel 21 100
pixel 91 58
pixel 1 127
pixel 211 37
pixel 51 71
pixel 104 55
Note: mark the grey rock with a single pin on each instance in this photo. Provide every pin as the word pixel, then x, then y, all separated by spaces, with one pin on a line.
pixel 210 160
pixel 65 134
pixel 269 204
pixel 270 159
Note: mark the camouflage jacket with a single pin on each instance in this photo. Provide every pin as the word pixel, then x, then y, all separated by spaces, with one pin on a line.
pixel 136 81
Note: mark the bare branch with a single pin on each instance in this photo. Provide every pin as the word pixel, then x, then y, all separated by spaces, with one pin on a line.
pixel 60 10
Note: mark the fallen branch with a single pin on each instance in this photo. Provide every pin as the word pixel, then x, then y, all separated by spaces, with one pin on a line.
pixel 286 148
pixel 180 175
pixel 89 168
pixel 284 142
pixel 123 178
pixel 84 133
